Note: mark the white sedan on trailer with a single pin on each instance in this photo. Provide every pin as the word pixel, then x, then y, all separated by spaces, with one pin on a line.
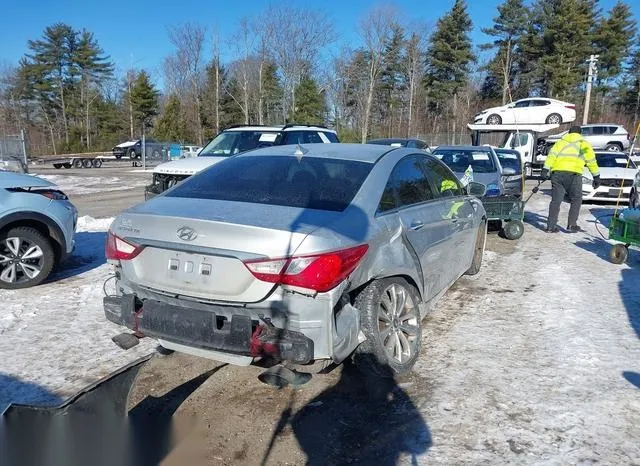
pixel 532 110
pixel 617 174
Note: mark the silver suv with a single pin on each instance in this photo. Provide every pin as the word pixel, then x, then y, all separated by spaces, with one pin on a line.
pixel 602 136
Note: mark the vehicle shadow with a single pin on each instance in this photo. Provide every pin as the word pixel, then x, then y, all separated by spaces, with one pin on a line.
pixel 362 419
pixel 87 255
pixel 629 286
pixel 535 220
pixel 14 390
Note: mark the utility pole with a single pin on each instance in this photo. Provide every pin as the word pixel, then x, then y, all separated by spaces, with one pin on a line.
pixel 593 72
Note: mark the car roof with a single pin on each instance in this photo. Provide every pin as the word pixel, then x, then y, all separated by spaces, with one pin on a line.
pixel 279 128
pixel 392 140
pixel 484 148
pixel 601 124
pixel 339 151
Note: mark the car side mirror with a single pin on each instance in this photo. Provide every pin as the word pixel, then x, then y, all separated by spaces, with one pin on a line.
pixel 476 189
pixel 508 171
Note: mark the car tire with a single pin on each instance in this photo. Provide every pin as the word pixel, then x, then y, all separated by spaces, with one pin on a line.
pixel 614 147
pixel 67 165
pixel 618 254
pixel 77 163
pixel 132 154
pixel 634 199
pixel 478 252
pixel 96 163
pixel 155 154
pixel 554 119
pixel 379 306
pixel 41 260
pixel 494 119
pixel 86 163
pixel 513 229
pixel 57 166
pixel 118 157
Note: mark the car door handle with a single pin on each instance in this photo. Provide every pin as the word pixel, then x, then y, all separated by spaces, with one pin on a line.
pixel 416 225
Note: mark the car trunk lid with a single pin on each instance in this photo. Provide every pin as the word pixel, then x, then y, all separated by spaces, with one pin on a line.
pixel 196 247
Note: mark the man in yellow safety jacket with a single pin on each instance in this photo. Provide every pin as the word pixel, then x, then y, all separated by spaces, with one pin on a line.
pixel 564 165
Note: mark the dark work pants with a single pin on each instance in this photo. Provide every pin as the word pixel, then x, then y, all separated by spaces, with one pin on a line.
pixel 565 183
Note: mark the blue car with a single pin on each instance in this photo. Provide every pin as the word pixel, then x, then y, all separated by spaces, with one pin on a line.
pixel 37 227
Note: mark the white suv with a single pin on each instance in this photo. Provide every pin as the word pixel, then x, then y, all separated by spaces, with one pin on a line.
pixel 602 136
pixel 232 141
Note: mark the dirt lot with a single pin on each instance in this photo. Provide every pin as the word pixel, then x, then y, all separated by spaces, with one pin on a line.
pixel 533 361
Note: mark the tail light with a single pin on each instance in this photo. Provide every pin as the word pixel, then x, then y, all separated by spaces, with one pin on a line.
pixel 320 272
pixel 571 106
pixel 119 249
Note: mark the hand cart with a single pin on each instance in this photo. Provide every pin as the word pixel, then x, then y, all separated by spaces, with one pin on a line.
pixel 627 232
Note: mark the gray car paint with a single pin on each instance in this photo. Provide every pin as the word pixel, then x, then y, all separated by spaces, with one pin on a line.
pixel 488 179
pixel 432 257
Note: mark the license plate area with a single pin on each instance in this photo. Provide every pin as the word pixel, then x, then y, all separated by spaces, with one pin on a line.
pixel 615 192
pixel 190 267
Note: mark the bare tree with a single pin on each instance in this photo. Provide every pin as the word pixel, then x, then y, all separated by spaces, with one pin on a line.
pixel 298 34
pixel 375 31
pixel 184 69
pixel 413 70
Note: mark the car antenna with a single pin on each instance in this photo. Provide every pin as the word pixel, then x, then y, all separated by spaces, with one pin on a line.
pixel 300 152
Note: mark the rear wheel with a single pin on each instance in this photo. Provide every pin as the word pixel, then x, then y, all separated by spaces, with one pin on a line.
pixel 77 163
pixel 554 119
pixel 57 166
pixel 96 163
pixel 132 154
pixel 619 254
pixel 26 258
pixel 390 320
pixel 494 119
pixel 66 165
pixel 513 229
pixel 614 147
pixel 478 252
pixel 86 163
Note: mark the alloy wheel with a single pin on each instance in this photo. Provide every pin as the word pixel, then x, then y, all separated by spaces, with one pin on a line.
pixel 20 260
pixel 398 321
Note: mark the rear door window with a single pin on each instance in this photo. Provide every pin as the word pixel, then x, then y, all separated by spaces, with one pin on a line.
pixel 407 185
pixel 312 182
pixel 598 130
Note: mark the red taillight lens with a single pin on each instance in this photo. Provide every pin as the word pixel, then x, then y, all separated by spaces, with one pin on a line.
pixel 119 249
pixel 571 106
pixel 320 272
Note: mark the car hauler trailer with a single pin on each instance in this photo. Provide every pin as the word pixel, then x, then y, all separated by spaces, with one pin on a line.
pixel 526 139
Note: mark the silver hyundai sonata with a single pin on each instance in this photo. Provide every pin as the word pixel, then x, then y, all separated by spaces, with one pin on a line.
pixel 297 253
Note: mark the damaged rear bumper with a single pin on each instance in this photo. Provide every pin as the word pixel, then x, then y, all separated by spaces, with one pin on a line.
pixel 209 330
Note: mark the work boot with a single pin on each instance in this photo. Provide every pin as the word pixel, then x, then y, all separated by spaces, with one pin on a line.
pixel 552 230
pixel 574 229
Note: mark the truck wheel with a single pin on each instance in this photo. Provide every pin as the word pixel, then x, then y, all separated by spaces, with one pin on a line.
pixel 66 165
pixel 513 229
pixel 494 119
pixel 57 166
pixel 96 163
pixel 614 147
pixel 86 163
pixel 618 254
pixel 118 157
pixel 155 154
pixel 478 252
pixel 390 320
pixel 554 119
pixel 77 163
pixel 26 258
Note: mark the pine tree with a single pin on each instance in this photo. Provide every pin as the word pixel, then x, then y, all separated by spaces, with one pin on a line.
pixel 310 106
pixel 507 29
pixel 144 100
pixel 273 94
pixel 614 38
pixel 171 124
pixel 448 58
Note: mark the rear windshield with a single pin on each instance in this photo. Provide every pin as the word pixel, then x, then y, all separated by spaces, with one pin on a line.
pixel 509 159
pixel 458 160
pixel 312 182
pixel 614 161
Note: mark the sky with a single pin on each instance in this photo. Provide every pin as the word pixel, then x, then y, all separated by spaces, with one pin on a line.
pixel 134 33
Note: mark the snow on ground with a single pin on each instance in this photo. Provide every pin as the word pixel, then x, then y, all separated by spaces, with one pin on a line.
pixel 77 185
pixel 54 338
pixel 537 358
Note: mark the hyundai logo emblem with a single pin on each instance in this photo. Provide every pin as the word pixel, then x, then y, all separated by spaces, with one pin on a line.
pixel 187 233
